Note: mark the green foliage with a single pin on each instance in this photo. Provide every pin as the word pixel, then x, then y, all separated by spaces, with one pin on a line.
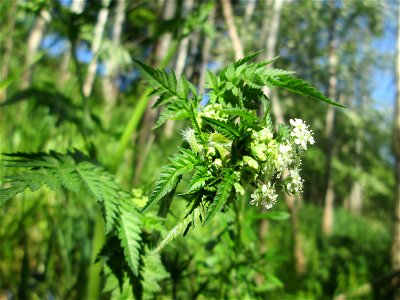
pixel 221 154
pixel 153 273
pixel 73 171
pixel 191 218
pixel 299 86
pixel 224 190
pixel 170 175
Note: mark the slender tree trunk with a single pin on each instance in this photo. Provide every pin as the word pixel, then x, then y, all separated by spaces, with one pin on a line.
pixel 97 38
pixel 233 33
pixel 109 82
pixel 205 55
pixel 180 60
pixel 34 40
pixel 249 11
pixel 396 229
pixel 355 199
pixel 327 219
pixel 8 48
pixel 146 136
pixel 76 8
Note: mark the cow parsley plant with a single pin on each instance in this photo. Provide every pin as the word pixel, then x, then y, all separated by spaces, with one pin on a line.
pixel 228 148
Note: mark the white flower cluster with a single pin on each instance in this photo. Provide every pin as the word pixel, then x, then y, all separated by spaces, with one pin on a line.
pixel 301 134
pixel 262 162
pixel 276 158
pixel 265 195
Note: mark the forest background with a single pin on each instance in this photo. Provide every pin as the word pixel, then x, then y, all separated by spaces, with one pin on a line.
pixel 69 81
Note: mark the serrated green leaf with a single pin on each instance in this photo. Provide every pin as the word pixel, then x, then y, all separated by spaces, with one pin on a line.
pixel 245 59
pixel 170 176
pixel 301 87
pixel 174 111
pixel 153 272
pixel 129 229
pixel 226 128
pixel 198 180
pixel 223 192
pixel 179 228
pixel 245 114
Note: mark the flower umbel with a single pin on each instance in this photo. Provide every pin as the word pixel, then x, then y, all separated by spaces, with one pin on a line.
pixel 264 195
pixel 301 134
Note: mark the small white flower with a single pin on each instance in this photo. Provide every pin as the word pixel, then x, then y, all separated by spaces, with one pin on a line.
pixel 217 162
pixel 294 183
pixel 301 134
pixel 265 195
pixel 285 156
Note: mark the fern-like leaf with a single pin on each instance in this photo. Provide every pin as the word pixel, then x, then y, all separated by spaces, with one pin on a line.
pixel 244 114
pixel 223 192
pixel 165 84
pixel 153 272
pixel 244 60
pixel 174 111
pixel 100 185
pixel 129 230
pixel 198 180
pixel 299 86
pixel 180 228
pixel 228 129
pixel 170 176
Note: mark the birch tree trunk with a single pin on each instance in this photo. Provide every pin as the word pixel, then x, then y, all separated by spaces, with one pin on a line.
pixel 205 55
pixel 34 40
pixel 180 60
pixel 97 38
pixel 8 48
pixel 396 229
pixel 109 82
pixel 327 219
pixel 355 200
pixel 233 33
pixel 249 11
pixel 146 136
pixel 76 8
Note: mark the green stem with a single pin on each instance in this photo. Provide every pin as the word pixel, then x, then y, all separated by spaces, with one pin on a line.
pixel 93 287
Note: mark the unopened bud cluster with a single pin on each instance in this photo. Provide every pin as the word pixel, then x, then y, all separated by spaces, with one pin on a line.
pixel 266 162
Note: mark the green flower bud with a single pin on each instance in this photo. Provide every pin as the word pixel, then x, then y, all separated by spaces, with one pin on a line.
pixel 251 162
pixel 258 151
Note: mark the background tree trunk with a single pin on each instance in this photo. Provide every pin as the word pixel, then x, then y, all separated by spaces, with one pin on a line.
pixel 8 47
pixel 355 200
pixel 396 229
pixel 34 40
pixel 146 136
pixel 97 38
pixel 327 219
pixel 76 8
pixel 109 82
pixel 233 33
pixel 205 54
pixel 249 11
pixel 180 60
